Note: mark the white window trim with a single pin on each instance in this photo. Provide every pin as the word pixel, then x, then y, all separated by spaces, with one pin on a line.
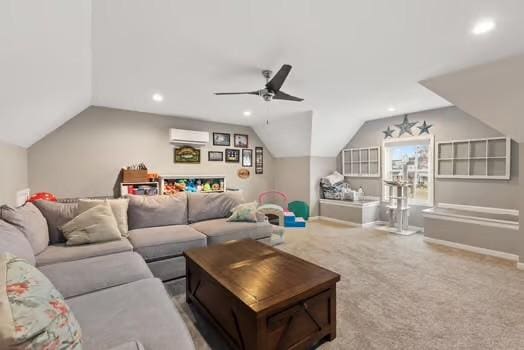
pixel 431 172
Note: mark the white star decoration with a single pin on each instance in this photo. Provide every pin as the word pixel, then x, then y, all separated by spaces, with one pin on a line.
pixel 405 126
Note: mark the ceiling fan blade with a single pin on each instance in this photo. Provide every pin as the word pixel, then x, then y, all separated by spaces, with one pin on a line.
pixel 238 93
pixel 283 96
pixel 278 80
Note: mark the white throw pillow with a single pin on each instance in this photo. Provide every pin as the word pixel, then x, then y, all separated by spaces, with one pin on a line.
pixel 97 224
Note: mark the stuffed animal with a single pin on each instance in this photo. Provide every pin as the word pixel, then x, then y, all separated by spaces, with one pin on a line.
pixel 42 196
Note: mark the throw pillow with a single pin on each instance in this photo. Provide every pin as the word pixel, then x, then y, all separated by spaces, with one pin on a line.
pixel 97 224
pixel 207 206
pixel 118 206
pixel 153 211
pixel 57 214
pixel 14 242
pixel 31 222
pixel 33 314
pixel 246 212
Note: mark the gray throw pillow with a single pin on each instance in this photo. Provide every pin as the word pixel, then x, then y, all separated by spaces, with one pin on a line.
pixel 30 221
pixel 118 206
pixel 57 214
pixel 13 241
pixel 95 225
pixel 152 211
pixel 207 206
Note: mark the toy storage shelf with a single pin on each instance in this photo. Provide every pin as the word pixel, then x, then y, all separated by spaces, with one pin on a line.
pixel 139 188
pixel 168 182
pixel 488 158
pixel 361 162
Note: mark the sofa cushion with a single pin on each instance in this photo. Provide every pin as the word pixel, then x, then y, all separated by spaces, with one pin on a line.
pixel 220 230
pixel 74 278
pixel 165 242
pixel 206 206
pixel 118 206
pixel 94 225
pixel 152 211
pixel 33 314
pixel 13 241
pixel 57 214
pixel 60 252
pixel 31 222
pixel 139 311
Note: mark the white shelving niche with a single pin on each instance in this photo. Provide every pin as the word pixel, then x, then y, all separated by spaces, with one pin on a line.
pixel 488 158
pixel 361 162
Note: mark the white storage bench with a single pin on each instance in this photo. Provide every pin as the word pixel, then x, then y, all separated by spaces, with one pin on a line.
pixel 489 232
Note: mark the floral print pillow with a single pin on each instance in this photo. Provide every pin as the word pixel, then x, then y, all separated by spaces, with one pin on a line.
pixel 33 314
pixel 244 212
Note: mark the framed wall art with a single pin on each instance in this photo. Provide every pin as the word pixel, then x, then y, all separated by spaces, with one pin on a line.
pixel 241 140
pixel 187 154
pixel 247 157
pixel 221 139
pixel 259 160
pixel 215 156
pixel 232 155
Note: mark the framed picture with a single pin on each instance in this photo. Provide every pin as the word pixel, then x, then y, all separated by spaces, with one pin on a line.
pixel 221 139
pixel 259 160
pixel 187 154
pixel 215 156
pixel 247 157
pixel 241 141
pixel 232 155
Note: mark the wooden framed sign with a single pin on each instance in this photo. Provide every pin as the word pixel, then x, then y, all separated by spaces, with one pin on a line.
pixel 259 160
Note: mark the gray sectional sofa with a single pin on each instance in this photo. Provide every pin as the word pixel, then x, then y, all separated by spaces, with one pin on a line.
pixel 115 288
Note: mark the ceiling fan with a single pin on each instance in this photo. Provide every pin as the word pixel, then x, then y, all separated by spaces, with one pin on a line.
pixel 272 89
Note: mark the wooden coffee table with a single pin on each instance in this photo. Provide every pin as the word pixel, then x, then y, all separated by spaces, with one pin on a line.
pixel 260 297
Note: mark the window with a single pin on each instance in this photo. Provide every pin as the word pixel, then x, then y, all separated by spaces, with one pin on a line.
pixel 411 159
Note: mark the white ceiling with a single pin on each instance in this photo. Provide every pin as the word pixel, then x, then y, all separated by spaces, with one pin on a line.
pixel 352 59
pixel 45 66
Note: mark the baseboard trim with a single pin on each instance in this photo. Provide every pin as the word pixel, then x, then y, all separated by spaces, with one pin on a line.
pixel 472 220
pixel 473 249
pixel 343 222
pixel 489 210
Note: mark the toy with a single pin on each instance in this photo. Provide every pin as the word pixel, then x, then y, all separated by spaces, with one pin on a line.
pixel 274 203
pixel 215 187
pixel 207 186
pixel 191 187
pixel 42 196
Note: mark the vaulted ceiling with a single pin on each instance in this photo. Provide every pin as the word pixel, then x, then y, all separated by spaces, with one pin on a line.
pixel 351 60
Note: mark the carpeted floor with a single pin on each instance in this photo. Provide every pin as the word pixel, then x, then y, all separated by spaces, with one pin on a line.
pixel 399 292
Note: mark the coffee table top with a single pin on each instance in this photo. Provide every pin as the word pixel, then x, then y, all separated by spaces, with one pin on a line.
pixel 260 276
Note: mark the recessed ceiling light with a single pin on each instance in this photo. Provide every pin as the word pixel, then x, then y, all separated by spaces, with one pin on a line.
pixel 392 109
pixel 158 97
pixel 247 113
pixel 483 26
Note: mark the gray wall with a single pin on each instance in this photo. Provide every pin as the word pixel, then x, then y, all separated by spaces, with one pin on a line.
pixel 319 167
pixel 520 193
pixel 84 156
pixel 13 174
pixel 292 177
pixel 448 124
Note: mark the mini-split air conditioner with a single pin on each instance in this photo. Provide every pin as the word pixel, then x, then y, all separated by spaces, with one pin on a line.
pixel 188 137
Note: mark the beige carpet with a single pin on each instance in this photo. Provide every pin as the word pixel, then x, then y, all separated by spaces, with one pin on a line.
pixel 399 292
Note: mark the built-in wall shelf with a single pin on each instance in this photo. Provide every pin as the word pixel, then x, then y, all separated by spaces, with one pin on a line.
pixel 361 162
pixel 488 158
